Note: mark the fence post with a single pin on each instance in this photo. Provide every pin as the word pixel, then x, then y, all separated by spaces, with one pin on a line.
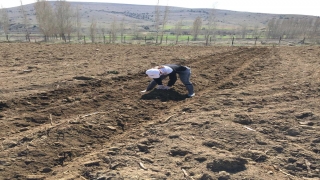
pixel 255 42
pixel 145 39
pixel 279 40
pixel 7 36
pixel 232 40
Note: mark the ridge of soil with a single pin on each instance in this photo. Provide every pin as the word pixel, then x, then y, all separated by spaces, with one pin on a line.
pixel 75 112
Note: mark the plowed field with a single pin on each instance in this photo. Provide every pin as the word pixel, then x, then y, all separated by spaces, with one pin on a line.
pixel 71 111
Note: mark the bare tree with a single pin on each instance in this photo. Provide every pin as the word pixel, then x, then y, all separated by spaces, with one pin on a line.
pixel 304 27
pixel 5 22
pixel 25 22
pixel 113 30
pixel 78 22
pixel 65 16
pixel 210 26
pixel 135 31
pixel 197 24
pixel 270 28
pixel 157 20
pixel 315 30
pixel 122 29
pixel 311 24
pixel 292 28
pixel 93 30
pixel 164 22
pixel 44 15
pixel 279 30
pixel 255 32
pixel 178 30
pixel 103 31
pixel 243 30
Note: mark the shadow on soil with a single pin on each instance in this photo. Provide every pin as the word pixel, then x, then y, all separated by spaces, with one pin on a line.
pixel 164 95
pixel 3 105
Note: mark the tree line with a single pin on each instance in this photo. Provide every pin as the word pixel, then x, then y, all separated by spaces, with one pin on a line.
pixel 293 28
pixel 59 19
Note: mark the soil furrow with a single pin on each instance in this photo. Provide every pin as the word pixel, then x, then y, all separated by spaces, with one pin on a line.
pixel 94 94
pixel 71 121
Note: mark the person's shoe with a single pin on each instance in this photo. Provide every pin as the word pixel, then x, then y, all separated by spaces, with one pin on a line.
pixel 143 92
pixel 191 95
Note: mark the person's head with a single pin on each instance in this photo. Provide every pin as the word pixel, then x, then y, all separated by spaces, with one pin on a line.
pixel 158 67
pixel 153 73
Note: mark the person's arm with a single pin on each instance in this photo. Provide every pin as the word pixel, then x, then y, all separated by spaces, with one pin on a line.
pixel 153 83
pixel 158 81
pixel 172 79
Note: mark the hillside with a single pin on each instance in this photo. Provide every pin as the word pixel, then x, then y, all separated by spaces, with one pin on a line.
pixel 142 15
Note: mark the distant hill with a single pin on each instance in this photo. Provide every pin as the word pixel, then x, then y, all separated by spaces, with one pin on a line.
pixel 143 15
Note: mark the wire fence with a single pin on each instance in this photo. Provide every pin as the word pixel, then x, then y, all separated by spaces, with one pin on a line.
pixel 165 40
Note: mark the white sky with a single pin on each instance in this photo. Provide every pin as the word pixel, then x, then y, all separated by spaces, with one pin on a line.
pixel 304 7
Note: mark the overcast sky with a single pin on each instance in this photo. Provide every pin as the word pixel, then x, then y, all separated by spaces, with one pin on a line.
pixel 304 7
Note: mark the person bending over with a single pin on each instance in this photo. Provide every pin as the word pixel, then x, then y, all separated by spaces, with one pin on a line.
pixel 159 73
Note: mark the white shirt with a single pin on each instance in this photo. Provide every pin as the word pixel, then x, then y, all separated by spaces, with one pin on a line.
pixel 166 70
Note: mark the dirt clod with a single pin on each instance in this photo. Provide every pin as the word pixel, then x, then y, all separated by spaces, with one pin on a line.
pixel 228 164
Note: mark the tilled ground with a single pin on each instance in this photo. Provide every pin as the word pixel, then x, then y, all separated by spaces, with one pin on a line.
pixel 75 112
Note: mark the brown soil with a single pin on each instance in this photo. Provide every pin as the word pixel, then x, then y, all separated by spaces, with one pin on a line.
pixel 75 112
